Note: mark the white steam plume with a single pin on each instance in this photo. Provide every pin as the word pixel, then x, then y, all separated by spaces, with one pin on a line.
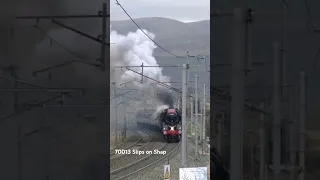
pixel 158 111
pixel 133 50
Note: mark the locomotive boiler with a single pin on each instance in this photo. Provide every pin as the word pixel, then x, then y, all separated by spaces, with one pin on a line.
pixel 170 124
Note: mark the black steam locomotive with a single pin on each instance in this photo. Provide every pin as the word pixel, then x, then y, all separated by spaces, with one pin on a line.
pixel 171 124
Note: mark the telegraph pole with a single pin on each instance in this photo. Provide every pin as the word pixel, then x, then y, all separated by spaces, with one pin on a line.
pixel 302 123
pixel 283 74
pixel 13 70
pixel 196 115
pixel 192 114
pixel 188 61
pixel 262 142
pixel 116 112
pixel 200 118
pixel 103 14
pixel 103 35
pixel 125 119
pixel 237 94
pixel 115 105
pixel 293 130
pixel 248 41
pixel 204 117
pixel 276 113
pixel 15 109
pixel 283 48
pixel 184 116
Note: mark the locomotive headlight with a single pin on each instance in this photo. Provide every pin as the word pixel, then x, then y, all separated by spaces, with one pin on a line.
pixel 172 128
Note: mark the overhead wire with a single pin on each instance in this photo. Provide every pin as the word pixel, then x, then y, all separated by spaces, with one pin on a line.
pixel 157 82
pixel 52 98
pixel 167 86
pixel 134 80
pixel 309 17
pixel 58 43
pixel 117 2
pixel 81 60
pixel 30 107
pixel 164 85
pixel 311 28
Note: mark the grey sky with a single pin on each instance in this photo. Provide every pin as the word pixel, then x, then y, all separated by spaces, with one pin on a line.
pixel 182 10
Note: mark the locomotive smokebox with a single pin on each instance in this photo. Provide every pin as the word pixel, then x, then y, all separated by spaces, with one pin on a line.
pixel 170 124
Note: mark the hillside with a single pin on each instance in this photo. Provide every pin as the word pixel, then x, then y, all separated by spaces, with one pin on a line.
pixel 175 36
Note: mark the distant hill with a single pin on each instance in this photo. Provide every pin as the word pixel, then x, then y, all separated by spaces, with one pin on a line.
pixel 175 36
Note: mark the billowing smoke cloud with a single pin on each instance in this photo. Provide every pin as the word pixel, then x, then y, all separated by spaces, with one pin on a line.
pixel 158 111
pixel 165 97
pixel 32 49
pixel 133 50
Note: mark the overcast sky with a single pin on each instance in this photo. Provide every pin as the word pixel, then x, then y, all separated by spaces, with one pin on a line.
pixel 182 10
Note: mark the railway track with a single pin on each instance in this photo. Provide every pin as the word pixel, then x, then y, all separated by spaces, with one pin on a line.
pixel 145 138
pixel 125 145
pixel 140 163
pixel 130 156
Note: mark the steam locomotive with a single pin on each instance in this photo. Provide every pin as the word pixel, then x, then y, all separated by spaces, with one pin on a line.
pixel 171 124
